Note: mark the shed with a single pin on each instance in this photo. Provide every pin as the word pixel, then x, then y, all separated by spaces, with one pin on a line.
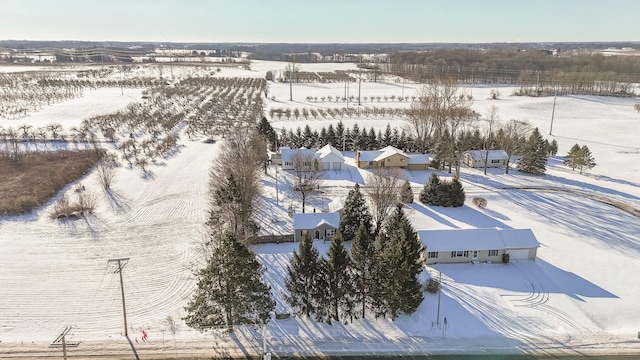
pixel 465 245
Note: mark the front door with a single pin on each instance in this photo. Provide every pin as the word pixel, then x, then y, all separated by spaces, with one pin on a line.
pixel 475 254
pixel 317 234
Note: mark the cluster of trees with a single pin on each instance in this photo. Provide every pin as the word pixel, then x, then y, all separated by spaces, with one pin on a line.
pixel 538 72
pixel 580 157
pixel 437 192
pixel 335 113
pixel 353 98
pixel 378 276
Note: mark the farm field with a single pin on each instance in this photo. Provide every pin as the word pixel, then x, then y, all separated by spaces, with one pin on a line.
pixel 578 297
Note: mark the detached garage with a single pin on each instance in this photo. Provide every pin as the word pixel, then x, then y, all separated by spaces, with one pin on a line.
pixel 484 245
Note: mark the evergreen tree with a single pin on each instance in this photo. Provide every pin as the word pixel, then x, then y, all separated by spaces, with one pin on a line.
pixel 362 253
pixel 331 136
pixel 354 214
pixel 372 139
pixel 584 160
pixel 339 279
pixel 340 135
pixel 322 138
pixel 534 155
pixel 308 137
pixel 266 131
pixel 406 194
pixel 230 290
pixel 430 193
pixel 387 137
pixel 456 193
pixel 400 253
pixel 304 271
pixel 553 148
pixel 570 158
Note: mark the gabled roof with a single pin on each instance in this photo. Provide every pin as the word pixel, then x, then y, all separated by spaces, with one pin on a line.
pixel 377 155
pixel 420 158
pixel 288 154
pixel 328 149
pixel 305 221
pixel 477 239
pixel 478 155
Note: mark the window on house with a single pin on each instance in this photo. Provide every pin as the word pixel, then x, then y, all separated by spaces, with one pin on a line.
pixel 432 255
pixel 493 252
pixel 495 161
pixel 330 232
pixel 459 254
pixel 389 160
pixel 370 163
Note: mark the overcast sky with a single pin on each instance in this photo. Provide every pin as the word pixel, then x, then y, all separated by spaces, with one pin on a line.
pixel 321 21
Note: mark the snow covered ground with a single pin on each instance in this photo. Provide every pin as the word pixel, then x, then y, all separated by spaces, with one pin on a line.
pixel 579 296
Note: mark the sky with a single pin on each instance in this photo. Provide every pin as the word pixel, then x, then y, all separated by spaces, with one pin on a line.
pixel 321 21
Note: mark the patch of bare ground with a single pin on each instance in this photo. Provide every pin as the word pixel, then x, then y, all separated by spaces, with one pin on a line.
pixel 34 178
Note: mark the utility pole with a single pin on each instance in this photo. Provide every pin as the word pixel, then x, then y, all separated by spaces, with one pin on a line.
pixel 555 95
pixel 359 82
pixel 439 292
pixel 61 341
pixel 122 262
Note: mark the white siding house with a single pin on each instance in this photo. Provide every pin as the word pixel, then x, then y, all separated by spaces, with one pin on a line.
pixel 330 158
pixel 288 156
pixel 318 225
pixel 484 245
pixel 475 158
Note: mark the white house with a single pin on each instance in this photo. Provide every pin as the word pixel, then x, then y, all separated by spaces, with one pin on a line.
pixel 318 225
pixel 288 156
pixel 330 158
pixel 475 158
pixel 484 245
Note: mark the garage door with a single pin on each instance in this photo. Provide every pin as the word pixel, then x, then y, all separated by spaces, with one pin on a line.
pixel 521 254
pixel 337 166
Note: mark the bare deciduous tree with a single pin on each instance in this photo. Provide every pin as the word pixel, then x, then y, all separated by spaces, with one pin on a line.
pixel 382 188
pixel 308 175
pixel 511 136
pixel 106 170
pixel 242 157
pixel 438 114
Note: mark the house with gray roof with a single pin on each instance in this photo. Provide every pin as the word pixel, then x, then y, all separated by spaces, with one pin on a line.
pixel 484 245
pixel 318 225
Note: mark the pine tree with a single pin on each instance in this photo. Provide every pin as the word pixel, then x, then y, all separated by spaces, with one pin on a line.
pixel 331 136
pixel 362 253
pixel 304 270
pixel 230 290
pixel 570 158
pixel 400 253
pixel 406 194
pixel 553 148
pixel 266 130
pixel 534 155
pixel 430 193
pixel 339 280
pixel 456 193
pixel 355 212
pixel 584 160
pixel 387 138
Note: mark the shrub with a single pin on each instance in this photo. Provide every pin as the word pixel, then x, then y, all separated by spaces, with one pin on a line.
pixel 505 258
pixel 479 202
pixel 433 286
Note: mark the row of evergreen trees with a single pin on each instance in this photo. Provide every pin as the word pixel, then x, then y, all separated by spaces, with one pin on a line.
pixel 379 275
pixel 437 192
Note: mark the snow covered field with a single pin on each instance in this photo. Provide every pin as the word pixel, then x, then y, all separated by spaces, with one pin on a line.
pixel 579 296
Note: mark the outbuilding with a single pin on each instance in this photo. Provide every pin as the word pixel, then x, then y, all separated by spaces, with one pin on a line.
pixel 330 158
pixel 475 158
